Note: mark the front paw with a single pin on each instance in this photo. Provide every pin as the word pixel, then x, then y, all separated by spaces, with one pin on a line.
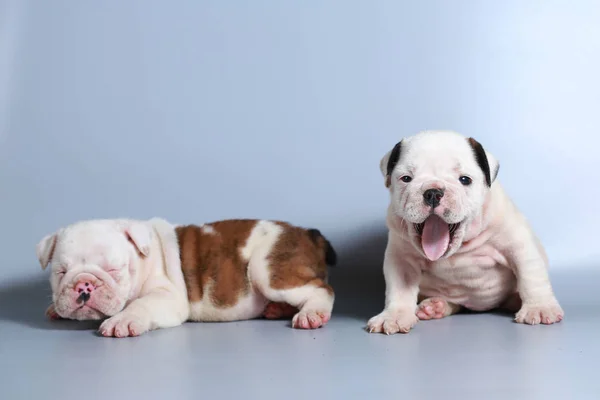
pixel 124 324
pixel 390 322
pixel 545 313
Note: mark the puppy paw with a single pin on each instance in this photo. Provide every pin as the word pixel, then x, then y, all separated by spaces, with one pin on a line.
pixel 390 322
pixel 433 308
pixel 279 310
pixel 52 314
pixel 534 314
pixel 310 319
pixel 123 325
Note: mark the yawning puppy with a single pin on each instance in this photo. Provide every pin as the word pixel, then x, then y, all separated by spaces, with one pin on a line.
pixel 455 238
pixel 144 275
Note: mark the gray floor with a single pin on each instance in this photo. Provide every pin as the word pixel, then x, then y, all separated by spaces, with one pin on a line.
pixel 469 356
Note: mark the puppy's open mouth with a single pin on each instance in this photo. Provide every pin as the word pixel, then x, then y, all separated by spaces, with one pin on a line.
pixel 436 236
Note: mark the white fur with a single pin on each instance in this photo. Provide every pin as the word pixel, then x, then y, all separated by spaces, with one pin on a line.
pixel 493 254
pixel 134 265
pixel 209 230
pixel 250 306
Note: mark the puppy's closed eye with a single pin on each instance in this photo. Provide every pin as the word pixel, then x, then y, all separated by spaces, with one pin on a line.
pixel 114 270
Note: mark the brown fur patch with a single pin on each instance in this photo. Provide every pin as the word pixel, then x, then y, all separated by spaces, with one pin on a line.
pixel 215 258
pixel 297 260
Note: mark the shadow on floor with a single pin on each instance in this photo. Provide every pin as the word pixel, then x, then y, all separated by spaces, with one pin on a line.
pixel 25 302
pixel 358 277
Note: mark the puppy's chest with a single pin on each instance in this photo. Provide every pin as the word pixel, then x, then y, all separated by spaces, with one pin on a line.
pixel 478 280
pixel 463 268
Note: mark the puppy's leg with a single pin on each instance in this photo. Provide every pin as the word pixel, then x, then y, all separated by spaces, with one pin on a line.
pixel 279 310
pixel 539 305
pixel 160 308
pixel 401 291
pixel 299 287
pixel 436 308
pixel 314 300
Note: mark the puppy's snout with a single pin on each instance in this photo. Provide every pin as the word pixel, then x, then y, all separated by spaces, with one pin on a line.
pixel 84 288
pixel 433 197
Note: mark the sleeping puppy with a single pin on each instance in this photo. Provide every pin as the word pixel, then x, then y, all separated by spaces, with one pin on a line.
pixel 143 275
pixel 455 238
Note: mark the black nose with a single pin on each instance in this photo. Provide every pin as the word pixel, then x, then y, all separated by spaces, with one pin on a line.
pixel 433 196
pixel 83 297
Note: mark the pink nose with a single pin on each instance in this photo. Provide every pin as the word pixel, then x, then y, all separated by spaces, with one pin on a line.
pixel 84 287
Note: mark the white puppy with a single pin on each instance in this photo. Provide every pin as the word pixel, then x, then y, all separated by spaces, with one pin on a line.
pixel 126 270
pixel 455 238
pixel 145 275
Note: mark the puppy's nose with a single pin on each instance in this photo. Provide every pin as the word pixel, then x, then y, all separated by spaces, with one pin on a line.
pixel 433 196
pixel 85 289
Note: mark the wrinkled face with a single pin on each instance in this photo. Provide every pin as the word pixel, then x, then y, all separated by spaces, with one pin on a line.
pixel 438 183
pixel 92 269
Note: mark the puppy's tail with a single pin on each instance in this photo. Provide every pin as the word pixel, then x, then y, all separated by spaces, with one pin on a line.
pixel 328 251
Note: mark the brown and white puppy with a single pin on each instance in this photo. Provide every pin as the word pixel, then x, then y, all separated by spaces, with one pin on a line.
pixel 144 275
pixel 456 239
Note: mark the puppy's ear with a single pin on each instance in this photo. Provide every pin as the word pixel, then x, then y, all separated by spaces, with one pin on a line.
pixel 486 161
pixel 388 163
pixel 140 235
pixel 45 249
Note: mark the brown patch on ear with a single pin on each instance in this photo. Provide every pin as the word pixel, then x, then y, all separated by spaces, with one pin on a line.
pixel 215 259
pixel 392 161
pixel 481 159
pixel 300 258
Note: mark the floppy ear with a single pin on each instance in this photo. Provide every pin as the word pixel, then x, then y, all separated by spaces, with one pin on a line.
pixel 45 249
pixel 486 161
pixel 140 235
pixel 388 163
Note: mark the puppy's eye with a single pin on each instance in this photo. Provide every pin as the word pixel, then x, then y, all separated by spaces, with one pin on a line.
pixel 465 180
pixel 60 273
pixel 405 178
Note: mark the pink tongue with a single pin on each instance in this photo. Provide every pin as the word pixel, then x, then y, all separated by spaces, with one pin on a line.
pixel 435 238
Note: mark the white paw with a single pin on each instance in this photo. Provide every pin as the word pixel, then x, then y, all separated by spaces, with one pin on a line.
pixel 124 324
pixel 390 322
pixel 310 319
pixel 433 308
pixel 546 313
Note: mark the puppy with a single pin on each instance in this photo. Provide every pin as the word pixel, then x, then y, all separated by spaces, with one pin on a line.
pixel 455 238
pixel 143 275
